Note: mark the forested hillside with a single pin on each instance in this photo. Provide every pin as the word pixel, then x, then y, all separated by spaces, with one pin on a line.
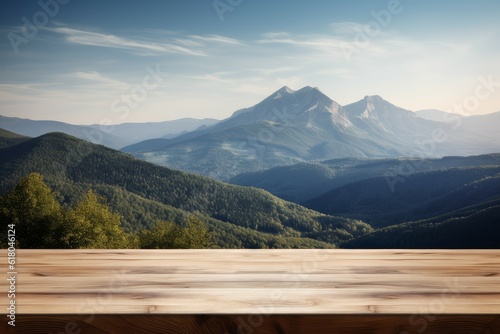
pixel 143 193
pixel 8 138
pixel 414 197
pixel 302 182
pixel 471 227
pixel 38 220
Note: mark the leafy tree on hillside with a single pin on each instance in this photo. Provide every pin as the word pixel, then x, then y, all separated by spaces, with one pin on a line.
pixel 42 223
pixel 32 206
pixel 169 235
pixel 162 236
pixel 92 225
pixel 195 235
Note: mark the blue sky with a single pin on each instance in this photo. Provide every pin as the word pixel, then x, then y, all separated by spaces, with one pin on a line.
pixel 86 59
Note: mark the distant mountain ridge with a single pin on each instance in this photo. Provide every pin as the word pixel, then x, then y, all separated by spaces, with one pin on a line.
pixel 435 115
pixel 291 127
pixel 305 181
pixel 115 136
pixel 417 196
pixel 286 128
pixel 8 138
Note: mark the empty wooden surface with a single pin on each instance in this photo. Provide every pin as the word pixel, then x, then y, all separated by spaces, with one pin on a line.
pixel 90 282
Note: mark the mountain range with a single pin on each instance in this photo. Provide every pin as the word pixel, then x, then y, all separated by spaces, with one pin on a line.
pixel 302 171
pixel 287 128
pixel 116 136
pixel 290 127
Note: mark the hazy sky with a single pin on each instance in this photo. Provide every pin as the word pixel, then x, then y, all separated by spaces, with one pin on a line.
pixel 91 61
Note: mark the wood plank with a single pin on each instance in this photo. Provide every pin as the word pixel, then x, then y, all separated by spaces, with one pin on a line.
pixel 255 281
pixel 254 324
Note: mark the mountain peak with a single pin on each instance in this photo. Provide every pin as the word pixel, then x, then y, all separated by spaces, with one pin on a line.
pixel 373 99
pixel 375 107
pixel 374 102
pixel 307 89
pixel 286 89
pixel 283 91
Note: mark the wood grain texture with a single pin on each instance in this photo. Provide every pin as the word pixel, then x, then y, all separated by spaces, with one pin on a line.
pixel 252 324
pixel 90 282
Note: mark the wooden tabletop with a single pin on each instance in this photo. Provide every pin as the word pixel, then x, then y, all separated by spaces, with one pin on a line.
pixel 255 281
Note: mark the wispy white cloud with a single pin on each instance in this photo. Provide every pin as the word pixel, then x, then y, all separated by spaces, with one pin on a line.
pixel 306 41
pixel 165 41
pixel 281 69
pixel 347 27
pixel 343 41
pixel 324 43
pixel 215 39
pixel 237 72
pixel 48 98
pixel 101 79
pixel 212 77
pixel 188 42
pixel 275 34
pixel 83 37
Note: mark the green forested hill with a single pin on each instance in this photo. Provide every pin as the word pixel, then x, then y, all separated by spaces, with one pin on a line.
pixel 142 193
pixel 455 208
pixel 414 197
pixel 8 138
pixel 305 181
pixel 472 227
